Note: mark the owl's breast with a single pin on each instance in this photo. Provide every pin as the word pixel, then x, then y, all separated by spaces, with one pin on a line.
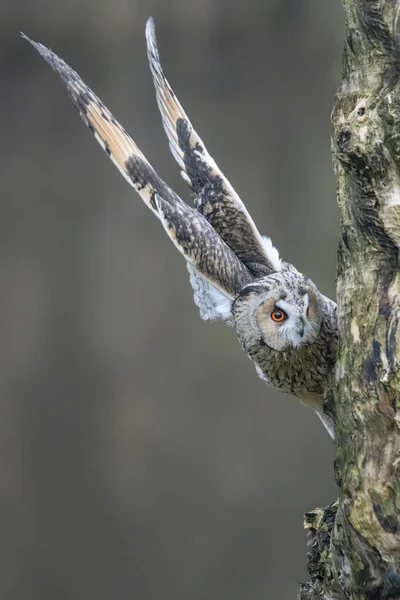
pixel 297 371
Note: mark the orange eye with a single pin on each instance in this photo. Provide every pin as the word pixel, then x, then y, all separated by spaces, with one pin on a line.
pixel 278 316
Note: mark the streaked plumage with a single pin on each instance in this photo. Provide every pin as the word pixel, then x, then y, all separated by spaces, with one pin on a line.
pixel 236 274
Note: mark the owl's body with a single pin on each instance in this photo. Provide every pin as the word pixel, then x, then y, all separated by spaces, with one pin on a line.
pixel 297 370
pixel 301 369
pixel 284 324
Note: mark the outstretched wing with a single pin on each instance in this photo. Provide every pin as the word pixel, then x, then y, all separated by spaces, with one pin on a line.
pixel 217 275
pixel 215 198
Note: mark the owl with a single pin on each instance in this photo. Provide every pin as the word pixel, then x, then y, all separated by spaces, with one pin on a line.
pixel 283 323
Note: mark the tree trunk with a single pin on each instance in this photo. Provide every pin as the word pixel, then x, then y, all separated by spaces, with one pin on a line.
pixel 355 543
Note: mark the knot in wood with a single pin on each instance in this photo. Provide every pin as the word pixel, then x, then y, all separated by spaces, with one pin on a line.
pixel 359 145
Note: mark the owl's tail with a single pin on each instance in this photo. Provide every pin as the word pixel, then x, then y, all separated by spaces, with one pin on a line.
pixel 316 402
pixel 327 422
pixel 192 234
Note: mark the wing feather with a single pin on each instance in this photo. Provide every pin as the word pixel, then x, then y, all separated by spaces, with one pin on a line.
pixel 215 198
pixel 214 263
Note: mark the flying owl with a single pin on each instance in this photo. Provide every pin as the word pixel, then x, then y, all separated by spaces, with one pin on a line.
pixel 284 324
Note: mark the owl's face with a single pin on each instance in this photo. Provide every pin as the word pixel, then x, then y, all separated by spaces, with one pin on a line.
pixel 283 311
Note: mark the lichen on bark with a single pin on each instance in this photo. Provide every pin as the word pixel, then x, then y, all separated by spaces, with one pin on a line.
pixel 360 558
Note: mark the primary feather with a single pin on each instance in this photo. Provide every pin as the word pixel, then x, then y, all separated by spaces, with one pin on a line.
pixel 215 198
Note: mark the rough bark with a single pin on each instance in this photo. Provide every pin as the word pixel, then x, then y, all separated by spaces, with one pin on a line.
pixel 355 544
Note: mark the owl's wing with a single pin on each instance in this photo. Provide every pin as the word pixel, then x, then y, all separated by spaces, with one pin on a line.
pixel 215 198
pixel 216 273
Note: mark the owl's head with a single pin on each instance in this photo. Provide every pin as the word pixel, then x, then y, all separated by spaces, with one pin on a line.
pixel 282 310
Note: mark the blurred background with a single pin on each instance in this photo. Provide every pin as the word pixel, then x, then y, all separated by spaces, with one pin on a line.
pixel 140 455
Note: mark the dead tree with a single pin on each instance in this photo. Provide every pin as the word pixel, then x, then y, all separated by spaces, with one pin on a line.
pixel 355 542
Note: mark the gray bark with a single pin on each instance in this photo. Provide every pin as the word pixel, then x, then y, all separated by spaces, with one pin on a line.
pixel 355 543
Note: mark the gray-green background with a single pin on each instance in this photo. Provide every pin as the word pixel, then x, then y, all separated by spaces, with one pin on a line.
pixel 140 455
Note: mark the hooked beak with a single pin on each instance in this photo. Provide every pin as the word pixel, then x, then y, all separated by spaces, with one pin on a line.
pixel 300 328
